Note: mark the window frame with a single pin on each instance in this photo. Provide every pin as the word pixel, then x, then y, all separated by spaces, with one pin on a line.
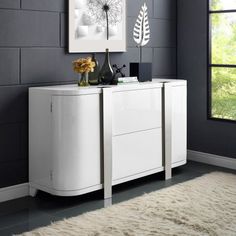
pixel 210 65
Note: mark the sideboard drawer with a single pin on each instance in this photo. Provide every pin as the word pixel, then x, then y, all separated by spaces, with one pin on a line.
pixel 136 153
pixel 136 110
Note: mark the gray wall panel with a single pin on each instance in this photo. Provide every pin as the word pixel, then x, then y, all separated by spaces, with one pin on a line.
pixel 28 29
pixel 148 55
pixel 47 5
pixel 13 173
pixel 10 4
pixel 163 33
pixel 64 30
pixel 39 65
pixel 165 9
pixel 165 61
pixel 9 66
pixel 9 142
pixel 13 104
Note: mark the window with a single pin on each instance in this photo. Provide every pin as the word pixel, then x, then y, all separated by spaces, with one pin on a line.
pixel 222 59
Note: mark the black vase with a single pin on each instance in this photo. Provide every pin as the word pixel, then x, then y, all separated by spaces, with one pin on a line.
pixel 94 76
pixel 106 73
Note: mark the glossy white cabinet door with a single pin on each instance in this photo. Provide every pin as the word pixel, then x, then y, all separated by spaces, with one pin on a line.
pixel 136 153
pixel 136 110
pixel 76 142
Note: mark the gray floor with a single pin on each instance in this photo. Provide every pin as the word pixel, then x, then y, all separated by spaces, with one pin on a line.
pixel 28 213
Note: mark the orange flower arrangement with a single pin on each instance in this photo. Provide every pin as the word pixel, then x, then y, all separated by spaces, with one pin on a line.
pixel 83 65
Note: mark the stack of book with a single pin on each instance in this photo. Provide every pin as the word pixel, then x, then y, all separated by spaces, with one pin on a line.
pixel 126 80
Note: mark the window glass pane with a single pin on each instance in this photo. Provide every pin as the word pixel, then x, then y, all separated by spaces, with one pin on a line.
pixel 223 5
pixel 224 93
pixel 223 38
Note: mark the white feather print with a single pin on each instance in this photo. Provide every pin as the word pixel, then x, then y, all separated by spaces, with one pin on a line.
pixel 141 33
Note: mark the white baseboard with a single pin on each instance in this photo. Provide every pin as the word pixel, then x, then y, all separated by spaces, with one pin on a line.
pixel 212 159
pixel 14 192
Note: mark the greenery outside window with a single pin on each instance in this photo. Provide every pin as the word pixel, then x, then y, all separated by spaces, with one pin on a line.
pixel 222 59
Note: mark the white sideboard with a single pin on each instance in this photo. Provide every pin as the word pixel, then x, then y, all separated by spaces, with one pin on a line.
pixel 85 139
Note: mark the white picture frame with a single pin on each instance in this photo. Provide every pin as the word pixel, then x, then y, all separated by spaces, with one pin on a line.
pixel 88 34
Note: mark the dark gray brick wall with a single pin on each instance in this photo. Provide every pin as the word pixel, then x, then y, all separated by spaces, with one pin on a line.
pixel 44 5
pixel 33 51
pixel 9 66
pixel 29 28
pixel 14 4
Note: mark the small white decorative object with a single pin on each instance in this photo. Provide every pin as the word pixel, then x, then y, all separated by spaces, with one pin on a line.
pixel 141 33
pixel 128 80
pixel 106 25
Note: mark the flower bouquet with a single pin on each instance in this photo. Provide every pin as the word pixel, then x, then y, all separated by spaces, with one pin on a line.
pixel 83 66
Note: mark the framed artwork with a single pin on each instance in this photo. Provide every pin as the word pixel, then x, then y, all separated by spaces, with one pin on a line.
pixel 95 25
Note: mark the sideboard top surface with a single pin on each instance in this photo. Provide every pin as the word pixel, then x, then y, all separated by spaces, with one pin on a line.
pixel 74 89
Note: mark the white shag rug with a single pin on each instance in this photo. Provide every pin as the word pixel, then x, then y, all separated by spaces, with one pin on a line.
pixel 203 206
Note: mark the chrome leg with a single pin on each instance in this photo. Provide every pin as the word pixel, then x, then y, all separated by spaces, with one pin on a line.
pixel 168 130
pixel 107 141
